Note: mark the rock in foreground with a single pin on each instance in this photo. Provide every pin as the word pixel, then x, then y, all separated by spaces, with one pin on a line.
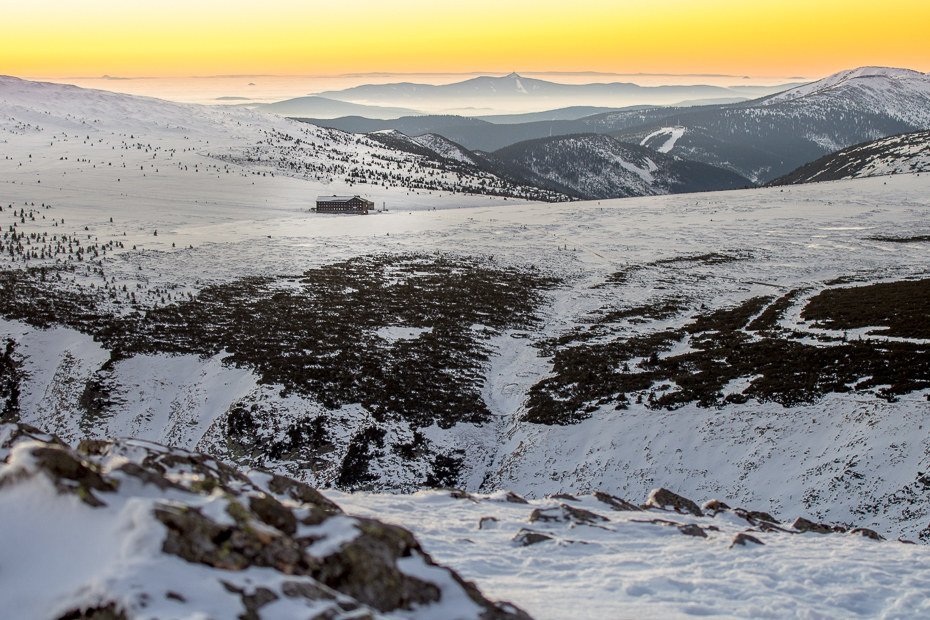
pixel 130 529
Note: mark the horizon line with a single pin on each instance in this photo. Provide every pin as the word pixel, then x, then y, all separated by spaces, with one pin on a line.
pixel 407 73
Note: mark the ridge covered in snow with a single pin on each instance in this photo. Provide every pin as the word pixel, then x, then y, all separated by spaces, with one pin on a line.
pixel 863 77
pixel 595 166
pixel 901 154
pixel 223 139
pixel 769 137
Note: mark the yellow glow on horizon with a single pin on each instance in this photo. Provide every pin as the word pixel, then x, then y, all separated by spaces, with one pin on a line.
pixel 57 38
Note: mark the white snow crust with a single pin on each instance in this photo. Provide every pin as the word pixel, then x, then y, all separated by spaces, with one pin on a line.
pixel 629 568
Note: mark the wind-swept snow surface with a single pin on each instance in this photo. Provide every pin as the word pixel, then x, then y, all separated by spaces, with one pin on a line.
pixel 579 557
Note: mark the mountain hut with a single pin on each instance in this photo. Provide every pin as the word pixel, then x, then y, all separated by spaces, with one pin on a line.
pixel 343 204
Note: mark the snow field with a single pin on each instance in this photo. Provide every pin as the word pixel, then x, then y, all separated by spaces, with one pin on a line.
pixel 627 568
pixel 798 238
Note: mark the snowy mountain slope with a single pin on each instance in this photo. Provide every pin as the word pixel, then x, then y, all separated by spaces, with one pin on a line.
pixel 130 529
pixel 766 138
pixel 453 156
pixel 463 339
pixel 50 118
pixel 431 143
pixel 900 93
pixel 598 166
pixel 445 148
pixel 905 153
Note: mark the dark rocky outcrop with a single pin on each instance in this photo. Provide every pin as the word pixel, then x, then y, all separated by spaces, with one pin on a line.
pixel 487 523
pixel 564 513
pixel 742 539
pixel 804 525
pixel 525 538
pixel 867 533
pixel 666 500
pixel 688 529
pixel 513 498
pixel 692 530
pixel 109 611
pixel 615 502
pixel 714 507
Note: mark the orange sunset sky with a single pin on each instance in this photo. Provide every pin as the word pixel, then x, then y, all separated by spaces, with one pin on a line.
pixel 57 38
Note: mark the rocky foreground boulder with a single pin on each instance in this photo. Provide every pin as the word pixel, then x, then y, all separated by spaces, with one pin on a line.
pixel 129 529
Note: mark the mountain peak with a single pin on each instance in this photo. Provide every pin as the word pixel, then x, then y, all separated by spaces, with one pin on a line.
pixel 513 76
pixel 871 76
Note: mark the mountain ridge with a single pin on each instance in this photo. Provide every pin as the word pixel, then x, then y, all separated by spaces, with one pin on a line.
pixel 596 166
pixel 515 88
pixel 760 139
pixel 907 153
pixel 771 136
pixel 329 108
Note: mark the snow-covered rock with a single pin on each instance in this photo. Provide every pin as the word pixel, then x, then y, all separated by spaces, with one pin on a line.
pixel 130 529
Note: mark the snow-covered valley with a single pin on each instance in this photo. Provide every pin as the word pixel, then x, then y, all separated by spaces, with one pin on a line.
pixel 482 342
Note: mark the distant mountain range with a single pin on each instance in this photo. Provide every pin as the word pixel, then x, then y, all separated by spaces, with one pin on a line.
pixel 901 154
pixel 472 133
pixel 760 139
pixel 321 107
pixel 486 91
pixel 769 137
pixel 571 113
pixel 486 134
